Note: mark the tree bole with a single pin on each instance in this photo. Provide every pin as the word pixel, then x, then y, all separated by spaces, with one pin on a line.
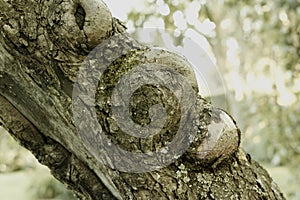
pixel 42 46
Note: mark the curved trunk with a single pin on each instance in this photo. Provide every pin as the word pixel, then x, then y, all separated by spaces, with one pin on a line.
pixel 42 47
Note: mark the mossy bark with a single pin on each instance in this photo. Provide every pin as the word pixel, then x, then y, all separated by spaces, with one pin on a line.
pixel 42 45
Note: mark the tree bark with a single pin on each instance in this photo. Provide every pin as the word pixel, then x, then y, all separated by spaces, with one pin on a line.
pixel 43 44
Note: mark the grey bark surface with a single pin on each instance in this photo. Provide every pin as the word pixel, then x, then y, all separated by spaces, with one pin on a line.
pixel 42 45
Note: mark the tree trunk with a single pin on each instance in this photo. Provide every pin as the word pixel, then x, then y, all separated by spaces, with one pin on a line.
pixel 48 104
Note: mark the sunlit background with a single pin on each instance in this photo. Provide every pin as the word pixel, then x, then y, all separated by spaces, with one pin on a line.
pixel 253 72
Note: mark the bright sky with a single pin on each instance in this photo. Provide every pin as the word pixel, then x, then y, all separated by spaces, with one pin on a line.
pixel 120 8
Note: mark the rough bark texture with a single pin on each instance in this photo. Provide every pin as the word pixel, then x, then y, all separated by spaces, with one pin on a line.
pixel 42 45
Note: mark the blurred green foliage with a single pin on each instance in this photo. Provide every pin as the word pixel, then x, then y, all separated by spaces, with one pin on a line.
pixel 49 188
pixel 257 46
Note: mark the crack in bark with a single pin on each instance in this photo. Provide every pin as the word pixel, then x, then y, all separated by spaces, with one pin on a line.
pixel 80 16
